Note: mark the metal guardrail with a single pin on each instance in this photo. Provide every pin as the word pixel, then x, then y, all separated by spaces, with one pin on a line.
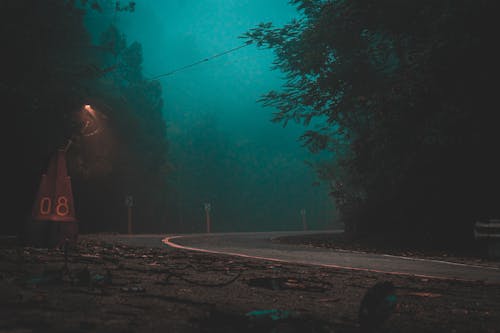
pixel 489 232
pixel 489 229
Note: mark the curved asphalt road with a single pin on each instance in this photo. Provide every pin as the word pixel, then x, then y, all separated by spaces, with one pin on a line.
pixel 259 245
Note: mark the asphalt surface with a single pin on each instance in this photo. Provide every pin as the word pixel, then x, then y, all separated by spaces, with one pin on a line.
pixel 260 245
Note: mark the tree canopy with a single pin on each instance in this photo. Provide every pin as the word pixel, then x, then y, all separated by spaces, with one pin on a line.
pixel 401 95
pixel 51 68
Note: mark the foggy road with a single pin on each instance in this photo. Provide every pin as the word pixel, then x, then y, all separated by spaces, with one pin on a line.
pixel 260 245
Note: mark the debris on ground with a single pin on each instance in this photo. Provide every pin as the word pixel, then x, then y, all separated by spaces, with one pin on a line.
pixel 377 305
pixel 274 314
pixel 105 284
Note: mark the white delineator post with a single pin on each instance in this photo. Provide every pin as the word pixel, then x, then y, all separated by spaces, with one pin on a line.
pixel 129 202
pixel 304 220
pixel 208 207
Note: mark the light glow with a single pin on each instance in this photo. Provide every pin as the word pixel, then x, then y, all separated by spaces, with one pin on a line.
pixel 91 122
pixel 90 110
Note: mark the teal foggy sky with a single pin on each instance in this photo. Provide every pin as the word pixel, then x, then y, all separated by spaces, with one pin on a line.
pixel 271 182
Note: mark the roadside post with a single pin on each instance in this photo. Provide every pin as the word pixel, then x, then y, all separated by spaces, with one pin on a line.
pixel 129 202
pixel 304 219
pixel 53 215
pixel 208 208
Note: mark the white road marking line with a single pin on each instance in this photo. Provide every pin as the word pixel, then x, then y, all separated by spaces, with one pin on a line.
pixel 168 241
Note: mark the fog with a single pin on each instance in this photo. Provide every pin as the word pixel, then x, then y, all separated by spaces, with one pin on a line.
pixel 224 149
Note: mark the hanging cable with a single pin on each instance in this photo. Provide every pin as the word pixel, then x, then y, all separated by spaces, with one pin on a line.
pixel 202 61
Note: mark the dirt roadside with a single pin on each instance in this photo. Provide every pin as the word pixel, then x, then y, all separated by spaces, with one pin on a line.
pixel 104 285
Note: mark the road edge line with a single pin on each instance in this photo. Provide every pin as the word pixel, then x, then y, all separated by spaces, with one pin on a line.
pixel 168 241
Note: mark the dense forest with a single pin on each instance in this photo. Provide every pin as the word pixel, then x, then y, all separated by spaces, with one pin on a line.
pixel 51 69
pixel 252 185
pixel 402 97
pixel 397 97
pixel 68 54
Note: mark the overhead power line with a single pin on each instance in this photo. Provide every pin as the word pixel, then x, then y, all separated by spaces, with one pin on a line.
pixel 202 61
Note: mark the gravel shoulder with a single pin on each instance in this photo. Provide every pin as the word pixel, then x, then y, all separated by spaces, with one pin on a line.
pixel 108 284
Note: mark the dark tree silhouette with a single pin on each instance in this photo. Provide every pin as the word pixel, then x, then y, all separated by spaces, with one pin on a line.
pixel 50 69
pixel 402 97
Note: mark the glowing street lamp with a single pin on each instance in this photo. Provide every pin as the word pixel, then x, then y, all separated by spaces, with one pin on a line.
pixel 91 124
